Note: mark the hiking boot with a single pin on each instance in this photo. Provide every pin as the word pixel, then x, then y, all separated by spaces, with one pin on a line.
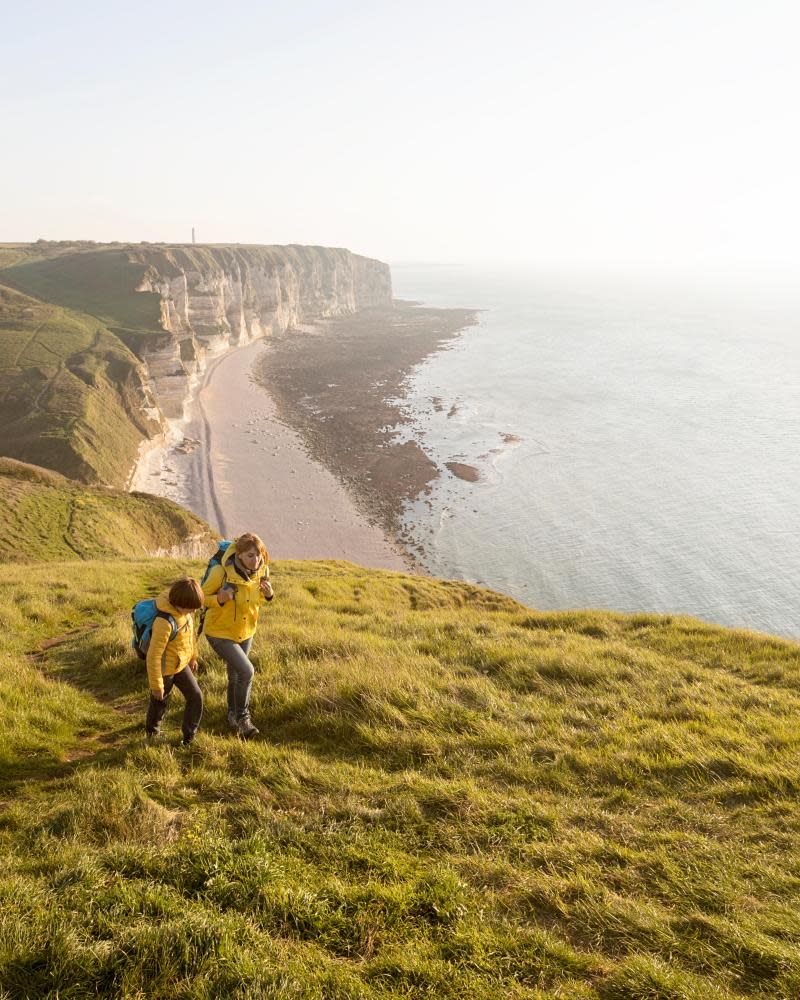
pixel 154 739
pixel 232 721
pixel 246 730
pixel 188 740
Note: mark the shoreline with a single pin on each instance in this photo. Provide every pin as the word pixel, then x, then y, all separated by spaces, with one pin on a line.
pixel 315 376
pixel 233 461
pixel 273 442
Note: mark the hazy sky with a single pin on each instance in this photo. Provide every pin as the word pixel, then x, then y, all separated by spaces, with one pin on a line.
pixel 542 131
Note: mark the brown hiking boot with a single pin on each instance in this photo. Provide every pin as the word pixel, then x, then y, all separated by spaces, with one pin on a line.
pixel 246 730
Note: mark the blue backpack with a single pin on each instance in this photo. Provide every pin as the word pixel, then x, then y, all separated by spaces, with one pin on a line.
pixel 216 559
pixel 143 615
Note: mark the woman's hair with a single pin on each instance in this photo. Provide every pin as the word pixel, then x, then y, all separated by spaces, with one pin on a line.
pixel 186 593
pixel 248 541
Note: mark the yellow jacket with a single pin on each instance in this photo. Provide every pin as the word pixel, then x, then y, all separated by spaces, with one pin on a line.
pixel 165 657
pixel 236 619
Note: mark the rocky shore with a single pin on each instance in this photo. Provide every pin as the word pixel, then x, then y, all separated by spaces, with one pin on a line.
pixel 341 385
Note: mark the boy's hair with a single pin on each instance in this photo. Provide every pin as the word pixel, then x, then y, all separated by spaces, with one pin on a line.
pixel 186 593
pixel 250 541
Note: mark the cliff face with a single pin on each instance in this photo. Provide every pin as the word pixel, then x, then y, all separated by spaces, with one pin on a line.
pixel 214 298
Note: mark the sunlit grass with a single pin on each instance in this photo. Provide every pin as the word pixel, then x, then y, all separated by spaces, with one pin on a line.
pixel 454 796
pixel 49 517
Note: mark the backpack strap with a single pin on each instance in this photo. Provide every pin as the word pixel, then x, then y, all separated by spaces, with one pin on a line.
pixel 173 624
pixel 174 631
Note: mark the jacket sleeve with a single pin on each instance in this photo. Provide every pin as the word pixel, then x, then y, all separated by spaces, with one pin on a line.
pixel 211 587
pixel 155 651
pixel 193 627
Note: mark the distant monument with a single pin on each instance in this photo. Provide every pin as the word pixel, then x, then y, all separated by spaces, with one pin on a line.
pixel 193 239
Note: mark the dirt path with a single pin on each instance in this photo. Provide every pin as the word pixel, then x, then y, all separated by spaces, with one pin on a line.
pixel 92 744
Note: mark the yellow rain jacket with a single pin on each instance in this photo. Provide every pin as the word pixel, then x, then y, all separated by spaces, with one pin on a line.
pixel 236 619
pixel 165 657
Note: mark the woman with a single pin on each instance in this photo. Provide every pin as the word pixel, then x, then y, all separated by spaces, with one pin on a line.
pixel 172 658
pixel 234 591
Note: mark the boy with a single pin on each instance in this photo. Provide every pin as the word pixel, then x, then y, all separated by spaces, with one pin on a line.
pixel 171 661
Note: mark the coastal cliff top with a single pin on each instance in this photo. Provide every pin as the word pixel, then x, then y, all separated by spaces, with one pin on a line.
pixel 77 319
pixel 18 253
pixel 116 282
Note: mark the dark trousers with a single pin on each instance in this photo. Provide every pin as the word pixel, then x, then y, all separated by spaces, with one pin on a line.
pixel 186 683
pixel 240 674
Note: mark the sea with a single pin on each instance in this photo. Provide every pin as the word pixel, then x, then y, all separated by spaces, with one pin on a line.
pixel 635 437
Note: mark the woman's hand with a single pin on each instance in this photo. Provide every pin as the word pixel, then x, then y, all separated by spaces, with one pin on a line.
pixel 224 595
pixel 266 589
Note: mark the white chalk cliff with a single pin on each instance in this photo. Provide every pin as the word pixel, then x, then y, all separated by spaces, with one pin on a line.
pixel 216 298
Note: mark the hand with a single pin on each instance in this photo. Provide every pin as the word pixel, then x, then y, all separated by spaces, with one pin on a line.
pixel 223 596
pixel 193 664
pixel 157 695
pixel 266 589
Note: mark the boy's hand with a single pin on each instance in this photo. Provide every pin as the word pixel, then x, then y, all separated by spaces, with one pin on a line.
pixel 193 665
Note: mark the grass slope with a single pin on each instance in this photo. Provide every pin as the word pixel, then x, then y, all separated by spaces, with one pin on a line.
pixel 454 797
pixel 46 516
pixel 100 282
pixel 70 392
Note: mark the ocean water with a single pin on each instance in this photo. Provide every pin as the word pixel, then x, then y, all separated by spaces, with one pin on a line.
pixel 637 440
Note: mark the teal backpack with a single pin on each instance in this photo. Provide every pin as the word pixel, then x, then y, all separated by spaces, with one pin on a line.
pixel 143 616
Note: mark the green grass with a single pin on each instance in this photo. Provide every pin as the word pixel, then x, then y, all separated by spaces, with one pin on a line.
pixel 100 282
pixel 46 516
pixel 70 392
pixel 454 797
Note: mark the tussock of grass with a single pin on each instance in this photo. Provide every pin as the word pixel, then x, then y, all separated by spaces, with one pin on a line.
pixel 454 797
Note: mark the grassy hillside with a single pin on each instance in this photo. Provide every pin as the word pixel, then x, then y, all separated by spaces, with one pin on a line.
pixel 454 797
pixel 70 391
pixel 45 516
pixel 100 282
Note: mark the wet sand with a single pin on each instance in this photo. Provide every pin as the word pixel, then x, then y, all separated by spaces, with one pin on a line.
pixel 243 469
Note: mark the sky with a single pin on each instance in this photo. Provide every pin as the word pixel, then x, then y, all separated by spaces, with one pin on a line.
pixel 629 131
